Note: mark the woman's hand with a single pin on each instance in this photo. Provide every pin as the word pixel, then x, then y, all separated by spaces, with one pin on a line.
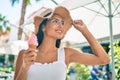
pixel 29 57
pixel 79 25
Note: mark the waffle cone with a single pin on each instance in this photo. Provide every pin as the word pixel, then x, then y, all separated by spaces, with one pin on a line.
pixel 32 46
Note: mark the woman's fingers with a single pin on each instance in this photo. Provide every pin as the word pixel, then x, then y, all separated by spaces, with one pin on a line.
pixel 79 25
pixel 78 22
pixel 30 52
pixel 29 57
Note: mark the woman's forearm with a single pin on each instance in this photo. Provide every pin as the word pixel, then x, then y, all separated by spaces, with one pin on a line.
pixel 21 75
pixel 97 48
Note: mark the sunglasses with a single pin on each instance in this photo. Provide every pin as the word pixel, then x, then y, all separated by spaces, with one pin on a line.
pixel 57 22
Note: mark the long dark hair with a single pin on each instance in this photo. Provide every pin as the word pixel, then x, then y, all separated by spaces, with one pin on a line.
pixel 40 34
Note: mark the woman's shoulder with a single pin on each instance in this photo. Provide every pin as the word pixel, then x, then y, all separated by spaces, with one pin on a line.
pixel 71 51
pixel 68 51
pixel 20 55
pixel 21 52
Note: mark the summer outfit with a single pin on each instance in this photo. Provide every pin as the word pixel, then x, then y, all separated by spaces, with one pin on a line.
pixel 49 71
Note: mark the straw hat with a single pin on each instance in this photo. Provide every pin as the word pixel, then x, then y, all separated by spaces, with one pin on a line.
pixel 60 10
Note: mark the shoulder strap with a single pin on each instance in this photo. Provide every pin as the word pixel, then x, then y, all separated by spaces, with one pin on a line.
pixel 61 54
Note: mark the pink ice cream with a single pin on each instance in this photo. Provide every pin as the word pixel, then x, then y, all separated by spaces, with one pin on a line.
pixel 32 41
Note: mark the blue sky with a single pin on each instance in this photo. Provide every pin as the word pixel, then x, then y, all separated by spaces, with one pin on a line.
pixel 13 13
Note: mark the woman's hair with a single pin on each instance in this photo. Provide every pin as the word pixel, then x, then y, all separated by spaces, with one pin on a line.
pixel 40 34
pixel 58 43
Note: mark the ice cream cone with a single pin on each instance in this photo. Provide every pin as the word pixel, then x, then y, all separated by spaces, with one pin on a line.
pixel 32 46
pixel 32 42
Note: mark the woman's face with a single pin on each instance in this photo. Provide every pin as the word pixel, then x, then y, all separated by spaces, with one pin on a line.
pixel 55 27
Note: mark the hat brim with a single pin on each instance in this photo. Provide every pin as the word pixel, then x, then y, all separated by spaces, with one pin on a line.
pixel 60 10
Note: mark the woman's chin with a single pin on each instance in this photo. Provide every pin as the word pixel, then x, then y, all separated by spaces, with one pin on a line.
pixel 61 37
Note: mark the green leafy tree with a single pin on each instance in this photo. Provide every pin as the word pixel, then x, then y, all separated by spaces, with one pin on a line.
pixel 117 58
pixel 82 71
pixel 4 26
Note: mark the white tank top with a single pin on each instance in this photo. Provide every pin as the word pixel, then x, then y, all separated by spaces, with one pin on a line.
pixel 49 71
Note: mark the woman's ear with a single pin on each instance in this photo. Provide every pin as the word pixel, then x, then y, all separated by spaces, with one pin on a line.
pixel 43 28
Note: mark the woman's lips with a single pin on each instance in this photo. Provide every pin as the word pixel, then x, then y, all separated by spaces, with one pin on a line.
pixel 59 31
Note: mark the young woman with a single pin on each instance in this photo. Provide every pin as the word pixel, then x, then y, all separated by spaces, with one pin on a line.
pixel 50 62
